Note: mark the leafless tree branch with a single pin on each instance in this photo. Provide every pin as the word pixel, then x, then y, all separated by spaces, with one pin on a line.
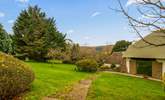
pixel 153 16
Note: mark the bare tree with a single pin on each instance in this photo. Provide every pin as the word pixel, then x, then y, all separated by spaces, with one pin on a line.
pixel 152 17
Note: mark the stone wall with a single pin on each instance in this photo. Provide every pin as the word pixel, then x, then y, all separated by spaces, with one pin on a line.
pixel 133 67
pixel 156 70
pixel 123 66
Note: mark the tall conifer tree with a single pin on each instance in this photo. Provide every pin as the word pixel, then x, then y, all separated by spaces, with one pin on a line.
pixel 35 33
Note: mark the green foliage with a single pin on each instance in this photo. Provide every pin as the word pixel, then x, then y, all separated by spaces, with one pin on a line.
pixel 101 57
pixel 71 54
pixel 5 41
pixel 87 65
pixel 113 66
pixel 75 50
pixel 67 54
pixel 87 53
pixel 67 61
pixel 121 46
pixel 15 76
pixel 55 54
pixel 35 34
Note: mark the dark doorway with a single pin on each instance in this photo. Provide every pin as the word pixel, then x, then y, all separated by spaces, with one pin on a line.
pixel 144 67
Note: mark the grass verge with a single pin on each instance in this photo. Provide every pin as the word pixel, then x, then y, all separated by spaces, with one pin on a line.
pixel 110 86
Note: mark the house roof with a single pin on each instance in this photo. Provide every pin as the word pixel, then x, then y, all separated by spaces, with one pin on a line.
pixel 141 49
pixel 115 58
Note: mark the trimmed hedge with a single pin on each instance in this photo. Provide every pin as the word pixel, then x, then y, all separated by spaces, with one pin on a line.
pixel 15 76
pixel 87 65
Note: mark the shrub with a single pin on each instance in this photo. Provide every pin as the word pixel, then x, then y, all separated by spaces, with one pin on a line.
pixel 66 61
pixel 113 66
pixel 87 65
pixel 104 67
pixel 15 76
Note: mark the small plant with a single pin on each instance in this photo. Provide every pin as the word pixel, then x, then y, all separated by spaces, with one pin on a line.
pixel 87 65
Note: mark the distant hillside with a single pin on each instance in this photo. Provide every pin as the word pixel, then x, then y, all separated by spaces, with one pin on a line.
pixel 97 48
pixel 98 52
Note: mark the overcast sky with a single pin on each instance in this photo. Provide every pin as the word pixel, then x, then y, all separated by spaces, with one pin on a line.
pixel 89 22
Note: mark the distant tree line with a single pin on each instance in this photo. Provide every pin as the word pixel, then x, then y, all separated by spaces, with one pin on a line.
pixel 121 46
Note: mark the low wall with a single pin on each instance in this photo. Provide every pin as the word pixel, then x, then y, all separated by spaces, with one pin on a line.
pixel 156 70
pixel 133 67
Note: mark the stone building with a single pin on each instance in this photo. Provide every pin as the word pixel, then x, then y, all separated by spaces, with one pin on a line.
pixel 143 51
pixel 117 59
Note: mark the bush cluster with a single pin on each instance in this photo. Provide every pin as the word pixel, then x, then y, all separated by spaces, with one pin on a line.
pixel 15 76
pixel 87 65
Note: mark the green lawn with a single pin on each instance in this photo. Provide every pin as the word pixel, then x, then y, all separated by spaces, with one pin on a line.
pixel 117 87
pixel 51 79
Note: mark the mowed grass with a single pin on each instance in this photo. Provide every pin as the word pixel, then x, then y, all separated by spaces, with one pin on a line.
pixel 50 79
pixel 117 87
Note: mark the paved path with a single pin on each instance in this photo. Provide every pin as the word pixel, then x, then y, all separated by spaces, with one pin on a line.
pixel 138 76
pixel 79 91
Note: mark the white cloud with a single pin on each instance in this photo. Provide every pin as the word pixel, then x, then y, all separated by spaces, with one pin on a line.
pixel 87 38
pixel 70 31
pixel 130 2
pixel 10 21
pixel 125 28
pixel 2 14
pixel 95 14
pixel 23 1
